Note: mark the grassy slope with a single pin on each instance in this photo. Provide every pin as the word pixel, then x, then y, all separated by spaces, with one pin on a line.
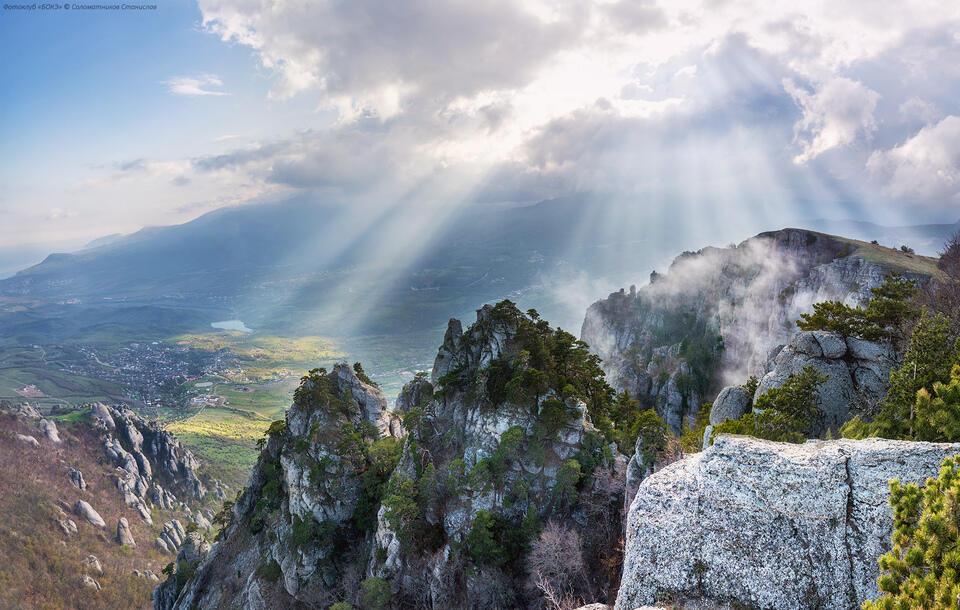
pixel 42 567
pixel 224 438
pixel 891 258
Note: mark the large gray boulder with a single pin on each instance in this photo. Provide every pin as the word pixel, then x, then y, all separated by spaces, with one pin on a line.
pixel 49 429
pixel 124 535
pixel 758 524
pixel 857 373
pixel 101 413
pixel 731 403
pixel 83 509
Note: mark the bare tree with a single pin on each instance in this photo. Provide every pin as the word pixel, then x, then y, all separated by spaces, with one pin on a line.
pixel 942 293
pixel 556 568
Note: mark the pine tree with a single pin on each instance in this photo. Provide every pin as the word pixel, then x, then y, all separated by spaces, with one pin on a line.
pixel 928 360
pixel 922 570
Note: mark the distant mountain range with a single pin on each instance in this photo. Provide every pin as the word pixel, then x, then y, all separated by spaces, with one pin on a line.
pixel 319 268
pixel 303 267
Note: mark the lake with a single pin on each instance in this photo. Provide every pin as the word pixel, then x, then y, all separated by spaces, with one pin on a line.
pixel 232 325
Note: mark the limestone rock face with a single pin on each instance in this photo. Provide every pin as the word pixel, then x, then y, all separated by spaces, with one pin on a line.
pixel 152 466
pixel 715 316
pixel 857 377
pixel 76 477
pixel 124 535
pixel 83 509
pixel 306 517
pixel 731 403
pixel 752 523
pixel 302 480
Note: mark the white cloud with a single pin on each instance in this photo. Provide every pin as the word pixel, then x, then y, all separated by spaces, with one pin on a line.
pixel 926 166
pixel 200 85
pixel 916 109
pixel 836 114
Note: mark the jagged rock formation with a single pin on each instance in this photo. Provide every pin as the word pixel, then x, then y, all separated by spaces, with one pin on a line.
pixel 857 376
pixel 171 537
pixel 714 317
pixel 65 520
pixel 76 477
pixel 152 466
pixel 757 524
pixel 857 372
pixel 327 506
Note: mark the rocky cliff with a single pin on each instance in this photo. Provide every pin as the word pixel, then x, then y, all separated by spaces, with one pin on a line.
pixel 152 468
pixel 856 373
pixel 441 514
pixel 714 317
pixel 756 524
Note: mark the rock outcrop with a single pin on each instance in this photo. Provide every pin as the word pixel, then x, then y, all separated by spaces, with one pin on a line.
pixel 26 439
pixel 76 478
pixel 83 509
pixel 124 536
pixel 715 316
pixel 857 372
pixel 319 514
pixel 50 431
pixel 152 467
pixel 757 524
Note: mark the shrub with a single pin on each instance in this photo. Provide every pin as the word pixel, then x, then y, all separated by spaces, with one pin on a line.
pixel 362 375
pixel 922 570
pixel 481 544
pixel 382 458
pixel 375 594
pixel 565 487
pixel 341 606
pixel 691 437
pixel 787 413
pixel 402 511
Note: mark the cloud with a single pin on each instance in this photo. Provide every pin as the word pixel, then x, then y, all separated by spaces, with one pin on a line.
pixel 835 114
pixel 373 54
pixel 201 85
pixel 925 167
pixel 916 109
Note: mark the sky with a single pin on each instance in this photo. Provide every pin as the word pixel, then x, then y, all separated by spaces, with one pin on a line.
pixel 715 110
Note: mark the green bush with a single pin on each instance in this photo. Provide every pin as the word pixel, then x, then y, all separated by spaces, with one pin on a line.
pixel 787 413
pixel 375 594
pixel 922 570
pixel 382 458
pixel 362 375
pixel 691 437
pixel 402 512
pixel 481 543
pixel 565 487
pixel 341 606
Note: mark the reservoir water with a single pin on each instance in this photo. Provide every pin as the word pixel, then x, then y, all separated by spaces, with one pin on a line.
pixel 232 325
